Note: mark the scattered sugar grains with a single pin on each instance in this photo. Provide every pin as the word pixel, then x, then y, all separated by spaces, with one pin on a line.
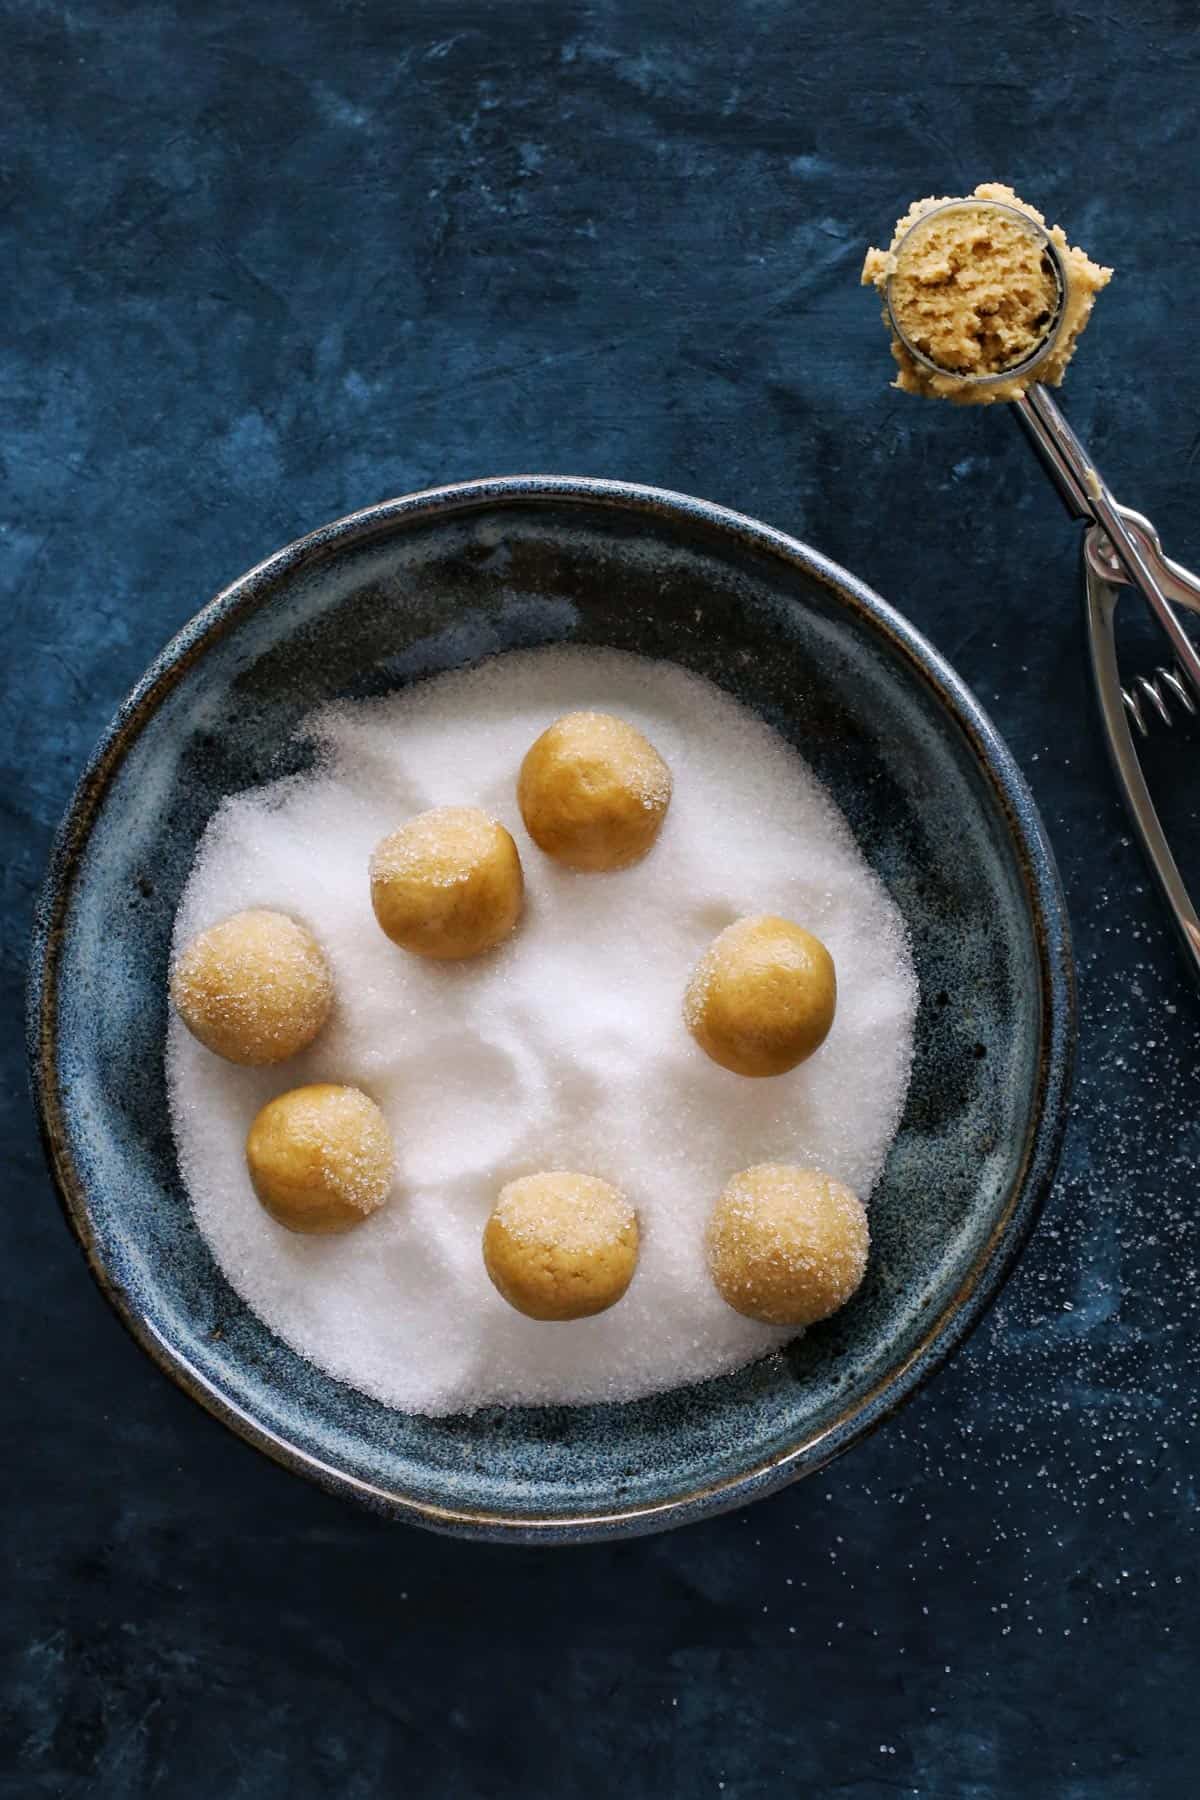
pixel 563 1049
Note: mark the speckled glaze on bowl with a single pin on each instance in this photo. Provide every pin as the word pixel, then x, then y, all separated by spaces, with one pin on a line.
pixel 434 581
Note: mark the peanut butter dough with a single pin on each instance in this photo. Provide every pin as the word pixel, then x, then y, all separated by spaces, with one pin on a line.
pixel 448 884
pixel 787 1246
pixel 561 1245
pixel 975 292
pixel 321 1158
pixel 593 792
pixel 254 989
pixel 762 997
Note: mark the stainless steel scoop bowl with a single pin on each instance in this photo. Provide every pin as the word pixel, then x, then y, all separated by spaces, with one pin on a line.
pixel 1054 263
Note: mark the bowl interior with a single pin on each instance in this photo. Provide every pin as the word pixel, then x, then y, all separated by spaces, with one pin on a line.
pixel 416 588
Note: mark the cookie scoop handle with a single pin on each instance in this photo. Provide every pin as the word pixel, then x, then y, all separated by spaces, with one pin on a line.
pixel 1086 496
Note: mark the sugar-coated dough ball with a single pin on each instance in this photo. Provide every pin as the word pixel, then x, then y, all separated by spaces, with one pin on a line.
pixel 320 1158
pixel 593 792
pixel 255 988
pixel 762 998
pixel 787 1246
pixel 448 884
pixel 561 1245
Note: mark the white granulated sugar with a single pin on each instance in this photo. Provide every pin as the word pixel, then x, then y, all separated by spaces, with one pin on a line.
pixel 564 1049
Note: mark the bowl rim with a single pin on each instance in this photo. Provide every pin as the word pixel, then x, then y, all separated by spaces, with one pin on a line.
pixel 990 1268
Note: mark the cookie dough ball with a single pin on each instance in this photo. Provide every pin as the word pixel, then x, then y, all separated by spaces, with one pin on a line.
pixel 762 998
pixel 448 884
pixel 971 287
pixel 560 1245
pixel 593 792
pixel 320 1158
pixel 255 989
pixel 787 1246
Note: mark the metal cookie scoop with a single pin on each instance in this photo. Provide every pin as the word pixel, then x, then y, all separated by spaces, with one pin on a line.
pixel 921 349
pixel 1121 549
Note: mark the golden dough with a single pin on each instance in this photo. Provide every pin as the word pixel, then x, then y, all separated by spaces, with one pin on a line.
pixel 255 989
pixel 593 792
pixel 763 996
pixel 448 884
pixel 561 1245
pixel 787 1246
pixel 972 290
pixel 321 1158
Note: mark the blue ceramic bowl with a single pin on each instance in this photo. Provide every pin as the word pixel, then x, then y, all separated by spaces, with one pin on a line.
pixel 434 581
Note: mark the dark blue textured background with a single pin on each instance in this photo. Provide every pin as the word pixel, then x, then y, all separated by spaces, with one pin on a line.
pixel 265 264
